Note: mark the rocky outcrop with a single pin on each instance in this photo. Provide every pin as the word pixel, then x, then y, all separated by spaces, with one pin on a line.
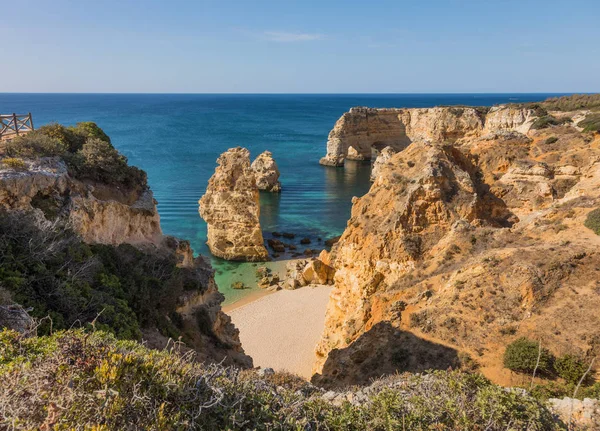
pixel 509 117
pixel 580 414
pixel 362 132
pixel 117 219
pixel 460 248
pixel 382 159
pixel 100 213
pixel 231 209
pixel 266 172
pixel 302 272
pixel 415 200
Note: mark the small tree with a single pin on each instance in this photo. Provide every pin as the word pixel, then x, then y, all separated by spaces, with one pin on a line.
pixel 522 356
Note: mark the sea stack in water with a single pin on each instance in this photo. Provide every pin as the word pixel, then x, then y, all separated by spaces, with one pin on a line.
pixel 231 209
pixel 266 173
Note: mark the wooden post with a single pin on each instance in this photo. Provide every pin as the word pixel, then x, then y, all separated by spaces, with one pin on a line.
pixel 31 122
pixel 15 123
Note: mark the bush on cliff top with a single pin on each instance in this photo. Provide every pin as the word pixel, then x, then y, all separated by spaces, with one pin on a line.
pixel 547 121
pixel 35 144
pixel 86 149
pixel 47 267
pixel 591 123
pixel 78 380
pixel 98 160
pixel 572 103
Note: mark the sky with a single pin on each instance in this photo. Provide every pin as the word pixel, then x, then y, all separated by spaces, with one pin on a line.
pixel 288 46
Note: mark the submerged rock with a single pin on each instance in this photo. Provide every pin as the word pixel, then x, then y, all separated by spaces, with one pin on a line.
pixel 266 172
pixel 231 209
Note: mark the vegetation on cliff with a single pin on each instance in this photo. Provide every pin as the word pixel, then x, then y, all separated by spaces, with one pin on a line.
pixel 79 380
pixel 65 282
pixel 85 148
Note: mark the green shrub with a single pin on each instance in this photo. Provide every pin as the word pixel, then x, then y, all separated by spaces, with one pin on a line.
pixel 71 140
pixel 14 163
pixel 522 355
pixel 101 383
pixel 35 144
pixel 591 123
pixel 572 103
pixel 570 367
pixel 551 140
pixel 98 160
pixel 89 129
pixel 46 267
pixel 593 221
pixel 547 121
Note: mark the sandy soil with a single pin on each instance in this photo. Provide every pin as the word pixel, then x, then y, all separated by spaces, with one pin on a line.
pixel 281 330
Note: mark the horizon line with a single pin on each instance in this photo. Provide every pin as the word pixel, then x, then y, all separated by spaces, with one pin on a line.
pixel 299 93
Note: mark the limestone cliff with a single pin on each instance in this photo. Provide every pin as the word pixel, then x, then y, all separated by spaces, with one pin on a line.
pixel 231 209
pixel 362 132
pixel 111 218
pixel 266 172
pixel 101 213
pixel 461 247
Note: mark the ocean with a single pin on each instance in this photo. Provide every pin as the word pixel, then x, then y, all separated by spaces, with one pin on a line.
pixel 176 139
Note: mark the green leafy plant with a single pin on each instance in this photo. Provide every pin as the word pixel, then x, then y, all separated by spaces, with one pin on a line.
pixel 593 221
pixel 570 367
pixel 47 268
pixel 522 356
pixel 14 163
pixel 105 384
pixel 35 144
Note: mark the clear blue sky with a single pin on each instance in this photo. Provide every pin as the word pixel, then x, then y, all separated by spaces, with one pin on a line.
pixel 253 46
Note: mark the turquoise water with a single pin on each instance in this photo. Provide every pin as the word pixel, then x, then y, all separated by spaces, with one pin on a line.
pixel 176 139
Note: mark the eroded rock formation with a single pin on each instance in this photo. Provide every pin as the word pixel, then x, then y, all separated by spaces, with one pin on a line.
pixel 100 213
pixel 361 132
pixel 266 172
pixel 231 209
pixel 465 246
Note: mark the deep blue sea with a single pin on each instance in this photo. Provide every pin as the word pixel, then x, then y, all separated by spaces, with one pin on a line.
pixel 176 139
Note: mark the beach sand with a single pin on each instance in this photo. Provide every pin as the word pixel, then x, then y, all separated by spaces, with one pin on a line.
pixel 281 330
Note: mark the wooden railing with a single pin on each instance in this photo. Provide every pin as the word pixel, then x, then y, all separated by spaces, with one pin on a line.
pixel 14 125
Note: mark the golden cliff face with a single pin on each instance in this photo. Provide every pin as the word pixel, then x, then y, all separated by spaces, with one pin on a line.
pixel 458 249
pixel 362 132
pixel 231 209
pixel 105 215
pixel 114 219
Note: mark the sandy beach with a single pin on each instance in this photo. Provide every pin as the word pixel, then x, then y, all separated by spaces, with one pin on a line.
pixel 281 330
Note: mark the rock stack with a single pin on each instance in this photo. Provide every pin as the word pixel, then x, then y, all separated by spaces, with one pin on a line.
pixel 231 209
pixel 266 173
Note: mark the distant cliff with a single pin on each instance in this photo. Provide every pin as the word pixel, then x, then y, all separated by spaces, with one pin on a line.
pixel 362 133
pixel 472 235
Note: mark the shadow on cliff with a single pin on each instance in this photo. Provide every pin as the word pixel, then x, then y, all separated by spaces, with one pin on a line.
pixel 381 351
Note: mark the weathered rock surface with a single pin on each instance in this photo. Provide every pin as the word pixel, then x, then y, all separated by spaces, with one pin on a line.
pixel 108 220
pixel 382 159
pixel 266 172
pixel 302 272
pixel 102 214
pixel 361 132
pixel 231 209
pixel 460 248
pixel 581 414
